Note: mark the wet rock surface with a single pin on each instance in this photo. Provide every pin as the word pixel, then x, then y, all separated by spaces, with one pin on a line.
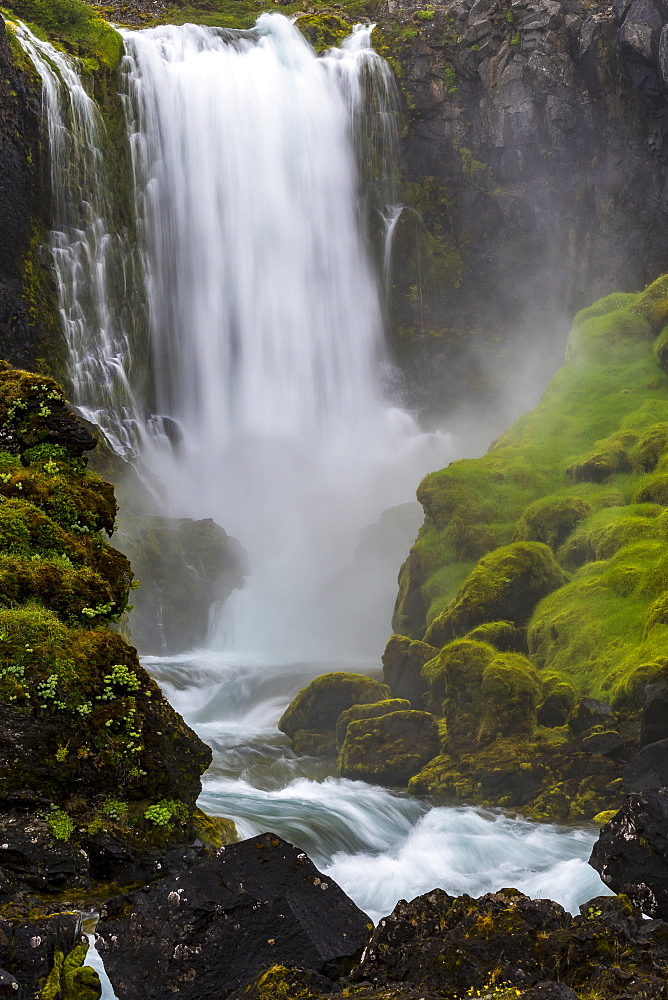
pixel 631 853
pixel 208 931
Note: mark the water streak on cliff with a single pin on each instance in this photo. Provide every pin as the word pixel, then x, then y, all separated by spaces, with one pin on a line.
pixel 96 268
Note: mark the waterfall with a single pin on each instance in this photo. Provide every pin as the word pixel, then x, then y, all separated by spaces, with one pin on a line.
pixel 231 345
pixel 256 166
pixel 96 269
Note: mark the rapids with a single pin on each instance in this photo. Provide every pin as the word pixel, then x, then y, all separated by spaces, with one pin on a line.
pixel 379 845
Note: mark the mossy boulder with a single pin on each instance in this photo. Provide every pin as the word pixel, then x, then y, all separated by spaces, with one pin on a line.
pixel 318 706
pixel 310 744
pixel 403 661
pixel 388 749
pixel 454 677
pixel 87 740
pixel 649 448
pixel 557 704
pixel 505 585
pixel 654 489
pixel 370 711
pixel 610 457
pixel 551 519
pixel 504 636
pixel 509 695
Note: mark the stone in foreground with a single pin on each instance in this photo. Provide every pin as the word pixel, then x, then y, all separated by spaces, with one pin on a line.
pixel 631 853
pixel 206 932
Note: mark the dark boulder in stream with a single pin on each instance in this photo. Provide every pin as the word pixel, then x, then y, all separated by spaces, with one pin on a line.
pixel 631 853
pixel 205 932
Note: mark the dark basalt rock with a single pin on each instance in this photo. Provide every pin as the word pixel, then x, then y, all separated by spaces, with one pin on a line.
pixel 31 860
pixel 9 986
pixel 648 769
pixel 206 932
pixel 452 947
pixel 654 720
pixel 631 853
pixel 589 713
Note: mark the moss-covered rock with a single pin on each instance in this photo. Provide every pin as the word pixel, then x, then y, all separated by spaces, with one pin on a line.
pixel 509 695
pixel 388 749
pixel 403 661
pixel 649 448
pixel 312 744
pixel 609 457
pixel 557 704
pixel 318 706
pixel 506 584
pixel 454 677
pixel 654 489
pixel 504 636
pixel 370 711
pixel 551 520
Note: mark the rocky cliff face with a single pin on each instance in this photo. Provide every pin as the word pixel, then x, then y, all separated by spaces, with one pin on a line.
pixel 536 152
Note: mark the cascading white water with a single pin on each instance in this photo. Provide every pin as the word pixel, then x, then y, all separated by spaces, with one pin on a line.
pixel 266 325
pixel 96 268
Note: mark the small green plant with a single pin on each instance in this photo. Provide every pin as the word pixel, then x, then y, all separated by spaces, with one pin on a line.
pixel 470 165
pixel 427 14
pixel 120 677
pixel 61 754
pixel 47 693
pixel 515 40
pixel 114 809
pixel 166 812
pixel 60 824
pixel 509 16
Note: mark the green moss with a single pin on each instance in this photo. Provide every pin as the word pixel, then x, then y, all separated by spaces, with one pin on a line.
pixel 370 711
pixel 504 636
pixel 77 25
pixel 551 519
pixel 312 744
pixel 610 529
pixel 593 629
pixel 70 979
pixel 505 585
pixel 318 706
pixel 610 456
pixel 388 749
pixel 216 831
pixel 650 447
pixel 508 696
pixel 454 677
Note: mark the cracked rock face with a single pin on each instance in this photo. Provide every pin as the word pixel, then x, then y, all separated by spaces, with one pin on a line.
pixel 631 853
pixel 205 932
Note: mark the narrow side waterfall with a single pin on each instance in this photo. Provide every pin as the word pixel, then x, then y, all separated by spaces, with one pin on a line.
pixel 97 269
pixel 266 339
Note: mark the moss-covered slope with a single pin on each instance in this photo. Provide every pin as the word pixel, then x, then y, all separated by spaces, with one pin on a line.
pixel 533 611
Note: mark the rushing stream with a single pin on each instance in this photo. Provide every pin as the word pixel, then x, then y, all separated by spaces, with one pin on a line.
pixel 233 348
pixel 379 845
